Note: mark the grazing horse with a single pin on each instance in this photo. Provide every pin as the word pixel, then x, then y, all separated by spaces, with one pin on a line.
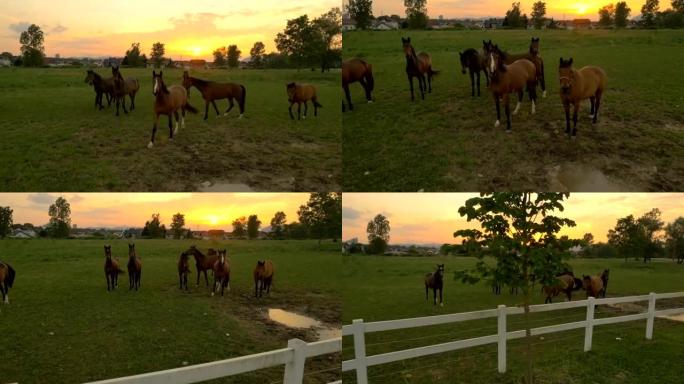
pixel 419 66
pixel 111 269
pixel 134 268
pixel 474 62
pixel 167 101
pixel 506 79
pixel 588 82
pixel 221 272
pixel 212 91
pixel 302 93
pixel 566 283
pixel 263 277
pixel 604 277
pixel 435 281
pixel 122 87
pixel 532 55
pixel 354 70
pixel 101 87
pixel 203 262
pixel 594 285
pixel 7 275
pixel 183 270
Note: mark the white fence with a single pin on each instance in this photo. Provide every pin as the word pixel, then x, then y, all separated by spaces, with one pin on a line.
pixel 293 357
pixel 358 329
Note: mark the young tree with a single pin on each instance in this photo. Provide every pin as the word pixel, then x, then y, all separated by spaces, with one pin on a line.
pixel 588 238
pixel 621 14
pixel 157 54
pixel 233 56
pixel 177 225
pixel 637 237
pixel 416 13
pixel 674 239
pixel 60 218
pixel 649 11
pixel 514 17
pixel 328 29
pixel 5 222
pixel 134 57
pixel 378 231
pixel 520 231
pixel 361 11
pixel 220 57
pixel 295 40
pixel 32 49
pixel 240 227
pixel 278 225
pixel 538 14
pixel 253 224
pixel 154 228
pixel 606 15
pixel 257 54
pixel 678 6
pixel 322 215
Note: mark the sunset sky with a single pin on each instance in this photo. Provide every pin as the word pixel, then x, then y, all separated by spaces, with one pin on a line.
pixel 191 29
pixel 424 218
pixel 202 210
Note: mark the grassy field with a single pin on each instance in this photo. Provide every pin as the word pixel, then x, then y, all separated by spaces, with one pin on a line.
pixel 53 138
pixel 62 326
pixel 385 288
pixel 448 141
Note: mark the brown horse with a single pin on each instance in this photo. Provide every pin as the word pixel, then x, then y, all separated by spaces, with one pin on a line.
pixel 588 82
pixel 594 285
pixel 167 101
pixel 203 262
pixel 506 79
pixel 183 270
pixel 123 87
pixel 263 277
pixel 212 91
pixel 7 275
pixel 533 55
pixel 302 93
pixel 419 66
pixel 566 283
pixel 354 70
pixel 101 87
pixel 435 281
pixel 221 272
pixel 475 62
pixel 134 268
pixel 111 269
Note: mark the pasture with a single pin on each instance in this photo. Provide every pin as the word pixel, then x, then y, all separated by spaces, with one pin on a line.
pixel 54 139
pixel 448 141
pixel 62 326
pixel 387 288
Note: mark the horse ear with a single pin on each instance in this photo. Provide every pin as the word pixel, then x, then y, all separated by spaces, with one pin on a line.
pixel 570 61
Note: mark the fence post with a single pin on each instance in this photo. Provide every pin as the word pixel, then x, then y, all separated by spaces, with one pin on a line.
pixel 294 370
pixel 589 329
pixel 651 316
pixel 358 330
pixel 501 312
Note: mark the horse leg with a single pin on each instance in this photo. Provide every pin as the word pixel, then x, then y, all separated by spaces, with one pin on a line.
pixel 441 290
pixel 306 108
pixel 177 116
pixel 256 288
pixel 542 80
pixel 347 95
pixel 315 104
pixel 131 280
pixel 434 295
pixel 429 80
pixel 497 102
pixel 410 79
pixel 230 106
pixel 426 292
pixel 205 277
pixel 507 109
pixel 592 101
pixel 213 102
pixel 532 92
pixel 423 86
pixel 520 99
pixel 290 109
pixel 472 83
pixel 123 104
pixel 206 110
pixel 170 126
pixel 566 106
pixel 574 118
pixel 596 107
pixel 117 105
pixel 367 89
pixel 299 110
pixel 132 101
pixel 477 74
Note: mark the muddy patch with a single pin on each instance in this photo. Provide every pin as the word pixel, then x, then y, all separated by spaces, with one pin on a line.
pixel 679 317
pixel 223 186
pixel 580 177
pixel 295 320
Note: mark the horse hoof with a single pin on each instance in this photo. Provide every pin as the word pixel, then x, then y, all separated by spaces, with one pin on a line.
pixel 150 145
pixel 441 304
pixel 497 123
pixel 369 102
pixel 544 94
pixel 240 117
pixel 212 294
pixel 225 114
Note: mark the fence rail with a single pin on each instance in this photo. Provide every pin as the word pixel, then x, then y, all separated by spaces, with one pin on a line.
pixel 293 357
pixel 358 329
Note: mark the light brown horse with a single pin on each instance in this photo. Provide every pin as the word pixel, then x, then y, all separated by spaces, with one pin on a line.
pixel 594 285
pixel 203 262
pixel 221 272
pixel 566 283
pixel 588 82
pixel 354 70
pixel 111 269
pixel 168 101
pixel 101 86
pixel 419 66
pixel 134 268
pixel 123 87
pixel 212 91
pixel 263 277
pixel 506 79
pixel 7 275
pixel 533 55
pixel 435 281
pixel 183 270
pixel 302 93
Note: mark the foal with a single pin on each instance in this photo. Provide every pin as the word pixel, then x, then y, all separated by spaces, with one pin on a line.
pixel 134 268
pixel 203 262
pixel 101 87
pixel 419 66
pixel 111 269
pixel 212 91
pixel 221 272
pixel 588 82
pixel 354 70
pixel 474 62
pixel 263 277
pixel 7 275
pixel 183 270
pixel 533 55
pixel 122 87
pixel 167 101
pixel 302 93
pixel 435 281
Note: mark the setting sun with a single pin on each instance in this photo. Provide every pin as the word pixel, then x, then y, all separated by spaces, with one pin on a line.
pixel 213 220
pixel 581 9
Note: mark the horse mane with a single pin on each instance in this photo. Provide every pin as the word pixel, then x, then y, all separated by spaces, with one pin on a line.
pixel 470 51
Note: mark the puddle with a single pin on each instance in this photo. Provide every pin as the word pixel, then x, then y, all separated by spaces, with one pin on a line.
pixel 679 317
pixel 224 187
pixel 578 177
pixel 295 320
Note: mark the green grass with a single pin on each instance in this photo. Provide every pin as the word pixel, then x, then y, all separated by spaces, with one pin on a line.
pixel 62 326
pixel 53 138
pixel 448 141
pixel 386 288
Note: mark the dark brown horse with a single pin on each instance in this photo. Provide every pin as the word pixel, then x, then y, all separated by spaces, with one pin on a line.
pixel 7 275
pixel 588 82
pixel 183 270
pixel 203 262
pixel 474 62
pixel 212 91
pixel 435 281
pixel 604 277
pixel 221 272
pixel 101 86
pixel 354 70
pixel 263 277
pixel 302 93
pixel 419 66
pixel 123 87
pixel 168 101
pixel 594 285
pixel 533 55
pixel 565 283
pixel 111 269
pixel 134 268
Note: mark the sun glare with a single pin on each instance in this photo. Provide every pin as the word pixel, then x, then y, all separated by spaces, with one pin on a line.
pixel 213 220
pixel 581 9
pixel 196 51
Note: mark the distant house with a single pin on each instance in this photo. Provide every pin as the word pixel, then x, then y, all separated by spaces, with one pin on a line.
pixel 111 62
pixel 493 23
pixel 5 63
pixel 384 25
pixel 581 23
pixel 348 24
pixel 24 234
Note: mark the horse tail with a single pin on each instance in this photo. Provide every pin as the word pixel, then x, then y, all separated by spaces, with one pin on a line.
pixel 369 76
pixel 243 98
pixel 316 103
pixel 190 108
pixel 10 276
pixel 432 72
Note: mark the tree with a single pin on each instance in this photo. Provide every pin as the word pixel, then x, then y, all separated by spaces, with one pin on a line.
pixel 278 225
pixel 514 17
pixel 678 6
pixel 177 225
pixel 134 57
pixel 154 228
pixel 361 11
pixel 322 215
pixel 674 239
pixel 621 14
pixel 233 56
pixel 253 224
pixel 552 24
pixel 328 31
pixel 257 54
pixel 32 49
pixel 588 239
pixel 606 15
pixel 416 13
pixel 296 230
pixel 520 231
pixel 240 227
pixel 6 56
pixel 5 222
pixel 648 13
pixel 219 57
pixel 60 218
pixel 378 234
pixel 157 54
pixel 637 237
pixel 538 14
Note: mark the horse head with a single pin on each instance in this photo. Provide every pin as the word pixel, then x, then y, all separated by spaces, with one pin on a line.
pixel 222 256
pixel 187 83
pixel 291 89
pixel 487 46
pixel 108 251
pixel 566 75
pixel 158 83
pixel 534 46
pixel 131 250
pixel 440 271
pixel 409 52
pixel 90 76
pixel 495 60
pixel 464 61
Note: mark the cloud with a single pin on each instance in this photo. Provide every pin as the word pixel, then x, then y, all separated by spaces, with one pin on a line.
pixel 42 198
pixel 20 26
pixel 350 213
pixel 58 29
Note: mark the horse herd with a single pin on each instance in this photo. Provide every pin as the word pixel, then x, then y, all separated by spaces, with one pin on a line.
pixel 505 74
pixel 172 101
